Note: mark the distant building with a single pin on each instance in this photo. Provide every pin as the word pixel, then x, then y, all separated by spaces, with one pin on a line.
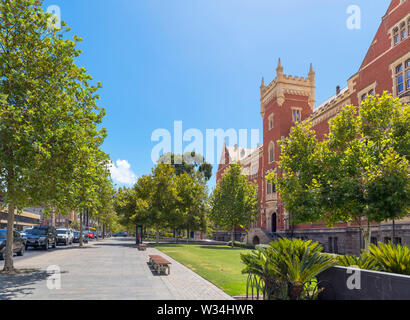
pixel 22 220
pixel 289 99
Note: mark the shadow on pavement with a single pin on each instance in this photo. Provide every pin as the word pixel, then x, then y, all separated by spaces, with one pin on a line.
pixel 116 244
pixel 16 285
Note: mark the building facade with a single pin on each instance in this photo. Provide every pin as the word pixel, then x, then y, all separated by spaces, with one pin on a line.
pixel 290 99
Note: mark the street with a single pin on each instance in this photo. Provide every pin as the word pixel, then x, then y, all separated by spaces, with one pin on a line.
pixel 111 269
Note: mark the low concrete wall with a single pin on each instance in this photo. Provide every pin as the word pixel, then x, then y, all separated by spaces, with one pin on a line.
pixel 369 285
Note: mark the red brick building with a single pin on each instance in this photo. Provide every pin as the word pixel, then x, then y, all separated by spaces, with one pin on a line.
pixel 289 99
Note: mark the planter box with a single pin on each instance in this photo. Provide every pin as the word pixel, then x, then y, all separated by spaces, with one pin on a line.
pixel 371 285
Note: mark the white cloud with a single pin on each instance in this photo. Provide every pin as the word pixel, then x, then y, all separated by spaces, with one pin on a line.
pixel 121 172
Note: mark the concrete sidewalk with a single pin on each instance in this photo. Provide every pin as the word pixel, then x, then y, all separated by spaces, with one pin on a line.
pixel 111 269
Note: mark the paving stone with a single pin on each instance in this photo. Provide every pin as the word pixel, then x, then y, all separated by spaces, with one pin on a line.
pixel 111 269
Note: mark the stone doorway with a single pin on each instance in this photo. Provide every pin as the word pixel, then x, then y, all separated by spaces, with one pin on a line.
pixel 256 240
pixel 274 223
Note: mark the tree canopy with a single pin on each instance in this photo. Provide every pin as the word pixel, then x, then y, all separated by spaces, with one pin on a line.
pixel 49 117
pixel 359 172
pixel 234 201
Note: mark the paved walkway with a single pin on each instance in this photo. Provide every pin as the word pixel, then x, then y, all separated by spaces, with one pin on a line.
pixel 111 269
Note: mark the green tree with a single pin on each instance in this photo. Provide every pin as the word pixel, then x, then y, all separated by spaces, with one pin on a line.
pixel 234 201
pixel 48 111
pixel 192 202
pixel 188 163
pixel 358 173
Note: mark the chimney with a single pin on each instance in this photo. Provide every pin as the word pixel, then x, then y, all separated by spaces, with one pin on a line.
pixel 337 90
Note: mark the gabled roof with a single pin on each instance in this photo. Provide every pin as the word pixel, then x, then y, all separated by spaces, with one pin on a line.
pixel 238 154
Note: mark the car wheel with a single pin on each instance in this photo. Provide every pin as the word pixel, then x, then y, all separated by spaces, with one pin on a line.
pixel 1 257
pixel 45 247
pixel 55 244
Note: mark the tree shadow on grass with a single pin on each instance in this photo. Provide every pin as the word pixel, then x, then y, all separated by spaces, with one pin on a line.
pixel 18 284
pixel 222 248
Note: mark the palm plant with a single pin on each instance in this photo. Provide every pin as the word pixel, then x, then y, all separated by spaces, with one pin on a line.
pixel 290 263
pixel 364 261
pixel 391 258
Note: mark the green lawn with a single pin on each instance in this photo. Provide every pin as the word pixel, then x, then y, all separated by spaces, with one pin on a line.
pixel 220 265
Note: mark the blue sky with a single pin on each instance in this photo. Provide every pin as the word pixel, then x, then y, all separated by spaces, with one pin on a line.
pixel 201 61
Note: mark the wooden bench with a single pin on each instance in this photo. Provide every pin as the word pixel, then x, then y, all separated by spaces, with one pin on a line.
pixel 142 247
pixel 159 264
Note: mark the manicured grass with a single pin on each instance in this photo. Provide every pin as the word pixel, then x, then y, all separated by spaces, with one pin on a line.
pixel 220 265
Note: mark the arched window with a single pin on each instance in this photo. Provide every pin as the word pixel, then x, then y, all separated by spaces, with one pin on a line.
pixel 399 79
pixel 396 36
pixel 403 31
pixel 408 27
pixel 271 152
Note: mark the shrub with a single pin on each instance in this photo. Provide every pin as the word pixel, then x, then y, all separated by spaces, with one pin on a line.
pixel 261 246
pixel 241 245
pixel 363 262
pixel 391 258
pixel 382 257
pixel 287 268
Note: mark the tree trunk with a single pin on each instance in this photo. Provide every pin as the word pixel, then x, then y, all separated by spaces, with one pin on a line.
pixel 232 236
pixel 103 231
pixel 81 229
pixel 8 253
pixel 393 233
pixel 187 234
pixel 367 236
pixel 157 230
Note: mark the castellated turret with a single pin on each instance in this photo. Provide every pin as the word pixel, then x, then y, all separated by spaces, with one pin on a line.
pixel 284 85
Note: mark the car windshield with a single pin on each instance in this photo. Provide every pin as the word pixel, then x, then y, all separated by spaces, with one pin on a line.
pixel 38 232
pixel 76 233
pixel 62 231
pixel 3 234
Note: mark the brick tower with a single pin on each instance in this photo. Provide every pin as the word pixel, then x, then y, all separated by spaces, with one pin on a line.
pixel 285 101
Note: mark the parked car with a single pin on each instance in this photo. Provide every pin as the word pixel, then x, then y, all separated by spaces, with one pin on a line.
pixel 64 236
pixel 77 237
pixel 42 237
pixel 120 234
pixel 19 246
pixel 23 235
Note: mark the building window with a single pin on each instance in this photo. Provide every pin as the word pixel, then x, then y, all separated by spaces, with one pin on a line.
pixel 408 27
pixel 408 74
pixel 399 79
pixel 403 31
pixel 387 240
pixel 270 122
pixel 335 246
pixel 373 240
pixel 271 152
pixel 271 188
pixel 364 96
pixel 296 115
pixel 371 93
pixel 397 240
pixel 396 36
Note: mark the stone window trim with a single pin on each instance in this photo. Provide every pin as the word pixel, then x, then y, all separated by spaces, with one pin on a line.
pixel 397 31
pixel 366 91
pixel 296 109
pixel 271 123
pixel 271 152
pixel 393 67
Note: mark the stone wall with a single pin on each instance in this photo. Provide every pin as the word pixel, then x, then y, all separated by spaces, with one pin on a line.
pixel 346 240
pixel 340 283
